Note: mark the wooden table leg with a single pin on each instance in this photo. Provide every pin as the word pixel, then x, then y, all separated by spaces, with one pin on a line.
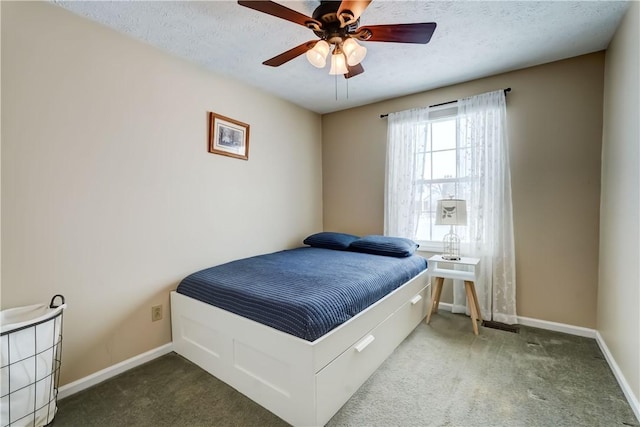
pixel 471 302
pixel 439 284
pixel 475 298
pixel 435 298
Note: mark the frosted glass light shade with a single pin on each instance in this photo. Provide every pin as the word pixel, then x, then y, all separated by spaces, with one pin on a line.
pixel 317 56
pixel 338 64
pixel 451 212
pixel 353 51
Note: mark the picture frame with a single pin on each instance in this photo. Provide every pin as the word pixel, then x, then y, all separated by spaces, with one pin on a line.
pixel 228 137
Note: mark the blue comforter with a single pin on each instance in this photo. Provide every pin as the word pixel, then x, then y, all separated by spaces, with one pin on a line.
pixel 305 292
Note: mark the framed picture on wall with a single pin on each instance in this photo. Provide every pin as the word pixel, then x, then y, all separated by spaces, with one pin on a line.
pixel 228 137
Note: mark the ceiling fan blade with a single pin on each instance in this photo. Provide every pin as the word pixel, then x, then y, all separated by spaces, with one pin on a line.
pixel 287 56
pixel 398 33
pixel 277 10
pixel 350 10
pixel 354 71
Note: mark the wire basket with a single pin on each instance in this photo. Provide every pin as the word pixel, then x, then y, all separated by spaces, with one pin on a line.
pixel 30 355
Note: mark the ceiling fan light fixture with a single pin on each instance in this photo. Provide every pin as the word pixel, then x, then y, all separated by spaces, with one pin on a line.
pixel 353 51
pixel 336 24
pixel 338 64
pixel 317 56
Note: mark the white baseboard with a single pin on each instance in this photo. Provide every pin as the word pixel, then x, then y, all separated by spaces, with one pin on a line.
pixel 558 327
pixel 100 376
pixel 445 305
pixel 545 324
pixel 624 385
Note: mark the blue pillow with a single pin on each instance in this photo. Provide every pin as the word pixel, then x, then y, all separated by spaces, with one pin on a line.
pixel 330 240
pixel 398 247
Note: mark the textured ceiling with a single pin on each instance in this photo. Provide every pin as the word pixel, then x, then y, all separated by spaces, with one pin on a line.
pixel 473 39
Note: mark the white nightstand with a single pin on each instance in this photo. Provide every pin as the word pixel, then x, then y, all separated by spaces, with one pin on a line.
pixel 469 278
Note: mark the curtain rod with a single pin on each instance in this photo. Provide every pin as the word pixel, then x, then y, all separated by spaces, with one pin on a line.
pixel 382 116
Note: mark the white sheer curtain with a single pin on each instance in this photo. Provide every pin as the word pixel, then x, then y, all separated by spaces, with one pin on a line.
pixel 405 131
pixel 485 182
pixel 482 131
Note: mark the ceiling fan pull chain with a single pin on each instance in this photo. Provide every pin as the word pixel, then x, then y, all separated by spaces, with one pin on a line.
pixel 336 85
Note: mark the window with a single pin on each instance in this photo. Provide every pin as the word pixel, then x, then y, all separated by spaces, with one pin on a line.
pixel 441 158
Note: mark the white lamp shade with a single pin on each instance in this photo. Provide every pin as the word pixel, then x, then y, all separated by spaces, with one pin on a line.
pixel 338 64
pixel 451 212
pixel 353 51
pixel 317 56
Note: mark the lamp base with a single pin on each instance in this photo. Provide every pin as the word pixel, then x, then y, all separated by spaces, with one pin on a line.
pixel 451 246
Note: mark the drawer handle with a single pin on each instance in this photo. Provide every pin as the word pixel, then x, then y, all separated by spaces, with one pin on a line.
pixel 416 299
pixel 364 343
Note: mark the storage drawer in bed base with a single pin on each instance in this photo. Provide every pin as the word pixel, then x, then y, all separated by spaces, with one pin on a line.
pixel 337 382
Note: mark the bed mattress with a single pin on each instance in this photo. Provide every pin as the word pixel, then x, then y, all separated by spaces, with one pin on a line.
pixel 305 292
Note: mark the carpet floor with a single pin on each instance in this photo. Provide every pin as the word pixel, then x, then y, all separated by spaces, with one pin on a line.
pixel 441 375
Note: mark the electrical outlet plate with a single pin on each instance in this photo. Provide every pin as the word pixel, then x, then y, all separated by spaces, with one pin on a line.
pixel 156 313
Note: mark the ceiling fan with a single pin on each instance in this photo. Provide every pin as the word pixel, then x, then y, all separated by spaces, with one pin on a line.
pixel 335 23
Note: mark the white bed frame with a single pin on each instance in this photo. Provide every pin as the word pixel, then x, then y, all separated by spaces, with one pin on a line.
pixel 305 383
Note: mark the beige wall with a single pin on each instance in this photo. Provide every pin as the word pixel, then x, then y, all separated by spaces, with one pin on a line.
pixel 109 196
pixel 619 276
pixel 555 126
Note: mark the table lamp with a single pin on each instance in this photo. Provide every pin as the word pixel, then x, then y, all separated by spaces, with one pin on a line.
pixel 451 212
